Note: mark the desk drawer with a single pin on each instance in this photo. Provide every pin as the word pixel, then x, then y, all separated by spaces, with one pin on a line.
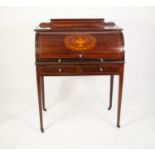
pixel 58 70
pixel 100 69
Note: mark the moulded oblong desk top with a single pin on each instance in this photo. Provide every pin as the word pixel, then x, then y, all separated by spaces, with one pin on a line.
pixel 97 24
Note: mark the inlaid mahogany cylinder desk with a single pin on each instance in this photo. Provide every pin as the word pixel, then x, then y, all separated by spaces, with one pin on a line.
pixel 79 47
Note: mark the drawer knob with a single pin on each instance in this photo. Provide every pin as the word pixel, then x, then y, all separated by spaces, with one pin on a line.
pixel 101 69
pixel 80 55
pixel 101 60
pixel 59 70
pixel 59 60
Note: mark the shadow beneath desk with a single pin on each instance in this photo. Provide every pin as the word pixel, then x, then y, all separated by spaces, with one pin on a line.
pixel 139 119
pixel 65 90
pixel 10 117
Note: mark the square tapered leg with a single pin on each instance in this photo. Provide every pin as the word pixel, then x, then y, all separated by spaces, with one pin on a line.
pixel 120 90
pixel 40 89
pixel 111 91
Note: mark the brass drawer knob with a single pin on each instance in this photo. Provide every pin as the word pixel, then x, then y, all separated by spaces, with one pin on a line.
pixel 101 60
pixel 59 60
pixel 101 69
pixel 80 55
pixel 59 70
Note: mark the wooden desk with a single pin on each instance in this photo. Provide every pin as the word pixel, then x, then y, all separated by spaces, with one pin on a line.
pixel 79 47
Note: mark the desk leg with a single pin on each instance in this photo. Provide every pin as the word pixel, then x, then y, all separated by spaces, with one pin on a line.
pixel 43 93
pixel 111 91
pixel 39 86
pixel 120 89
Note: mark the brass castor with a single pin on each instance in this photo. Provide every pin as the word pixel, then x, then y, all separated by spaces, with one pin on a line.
pixel 44 109
pixel 109 107
pixel 118 126
pixel 42 130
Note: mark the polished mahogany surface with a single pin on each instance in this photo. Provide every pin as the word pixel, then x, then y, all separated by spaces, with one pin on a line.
pixel 79 47
pixel 77 25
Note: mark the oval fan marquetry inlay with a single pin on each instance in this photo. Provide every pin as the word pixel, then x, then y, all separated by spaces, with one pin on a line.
pixel 80 42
